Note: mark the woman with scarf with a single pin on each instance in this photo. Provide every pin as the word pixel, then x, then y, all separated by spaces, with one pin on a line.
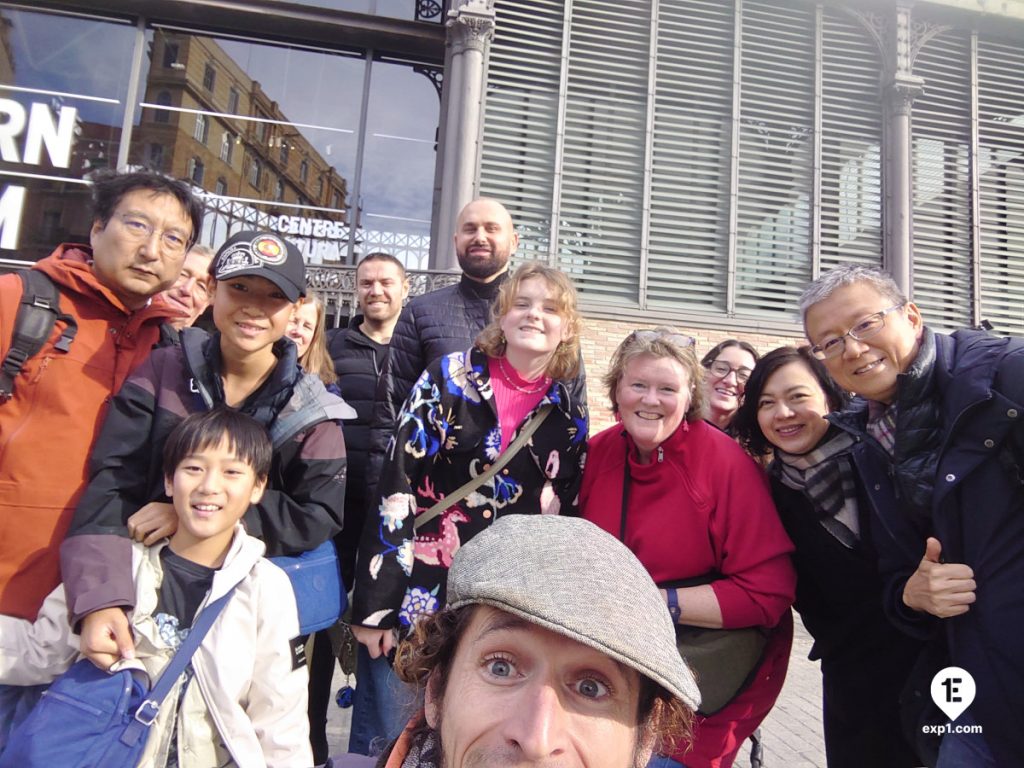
pixel 696 512
pixel 864 659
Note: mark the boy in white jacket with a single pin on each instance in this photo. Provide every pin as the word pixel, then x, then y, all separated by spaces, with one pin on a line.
pixel 242 700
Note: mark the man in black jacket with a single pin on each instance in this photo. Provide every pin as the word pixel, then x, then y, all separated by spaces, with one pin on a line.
pixel 359 353
pixel 446 320
pixel 939 448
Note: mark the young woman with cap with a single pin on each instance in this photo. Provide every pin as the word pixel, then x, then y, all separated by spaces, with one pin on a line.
pixel 248 365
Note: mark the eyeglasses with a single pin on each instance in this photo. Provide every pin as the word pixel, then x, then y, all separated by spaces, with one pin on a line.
pixel 722 369
pixel 675 338
pixel 832 346
pixel 139 229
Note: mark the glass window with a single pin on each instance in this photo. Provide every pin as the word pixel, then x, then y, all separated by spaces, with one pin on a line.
pixel 63 85
pixel 164 100
pixel 227 146
pixel 195 170
pixel 270 107
pixel 209 77
pixel 202 130
pixel 397 206
pixel 170 55
pixel 155 156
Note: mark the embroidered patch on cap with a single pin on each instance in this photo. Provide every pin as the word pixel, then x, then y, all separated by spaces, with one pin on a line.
pixel 262 251
pixel 298 651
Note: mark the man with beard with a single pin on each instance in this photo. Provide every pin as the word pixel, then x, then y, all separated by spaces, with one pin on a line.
pixel 432 325
pixel 448 319
pixel 358 352
pixel 537 661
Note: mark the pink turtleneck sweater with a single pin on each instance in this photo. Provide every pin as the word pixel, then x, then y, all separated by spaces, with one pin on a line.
pixel 511 404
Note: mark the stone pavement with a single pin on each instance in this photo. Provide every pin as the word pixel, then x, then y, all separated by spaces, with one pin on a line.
pixel 791 733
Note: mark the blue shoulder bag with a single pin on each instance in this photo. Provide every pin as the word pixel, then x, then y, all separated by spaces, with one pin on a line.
pixel 90 718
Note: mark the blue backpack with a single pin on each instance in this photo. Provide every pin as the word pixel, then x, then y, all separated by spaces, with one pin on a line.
pixel 90 718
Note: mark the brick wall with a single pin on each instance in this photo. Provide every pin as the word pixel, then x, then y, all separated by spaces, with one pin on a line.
pixel 601 337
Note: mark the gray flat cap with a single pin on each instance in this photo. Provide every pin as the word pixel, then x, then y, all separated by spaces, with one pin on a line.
pixel 569 576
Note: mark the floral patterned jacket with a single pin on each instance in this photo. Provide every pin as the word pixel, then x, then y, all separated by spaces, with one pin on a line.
pixel 447 434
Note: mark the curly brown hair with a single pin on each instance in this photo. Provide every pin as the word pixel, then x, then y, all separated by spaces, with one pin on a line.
pixel 565 361
pixel 425 658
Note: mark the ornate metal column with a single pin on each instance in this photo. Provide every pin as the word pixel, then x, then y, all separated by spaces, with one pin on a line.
pixel 470 29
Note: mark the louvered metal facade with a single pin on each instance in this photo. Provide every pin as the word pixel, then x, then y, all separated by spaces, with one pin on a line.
pixel 701 160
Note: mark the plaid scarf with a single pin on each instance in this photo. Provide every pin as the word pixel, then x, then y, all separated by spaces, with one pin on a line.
pixel 826 476
pixel 882 424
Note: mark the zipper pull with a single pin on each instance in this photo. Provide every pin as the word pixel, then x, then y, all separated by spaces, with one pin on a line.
pixel 661 454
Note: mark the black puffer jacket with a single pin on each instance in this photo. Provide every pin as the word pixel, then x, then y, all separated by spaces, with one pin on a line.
pixel 432 325
pixel 358 361
pixel 976 513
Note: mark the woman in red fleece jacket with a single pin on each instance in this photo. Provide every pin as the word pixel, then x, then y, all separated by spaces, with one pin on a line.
pixel 689 502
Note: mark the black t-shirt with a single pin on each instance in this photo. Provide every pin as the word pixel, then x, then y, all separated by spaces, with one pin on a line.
pixel 182 591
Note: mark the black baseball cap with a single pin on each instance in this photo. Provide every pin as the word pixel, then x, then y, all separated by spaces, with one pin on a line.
pixel 263 254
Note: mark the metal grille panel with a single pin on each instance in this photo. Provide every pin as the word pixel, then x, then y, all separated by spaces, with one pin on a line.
pixel 600 236
pixel 851 129
pixel 942 215
pixel 1001 183
pixel 773 248
pixel 520 120
pixel 689 230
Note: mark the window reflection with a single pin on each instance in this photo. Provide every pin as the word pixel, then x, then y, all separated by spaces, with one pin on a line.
pixel 63 85
pixel 269 130
pixel 270 134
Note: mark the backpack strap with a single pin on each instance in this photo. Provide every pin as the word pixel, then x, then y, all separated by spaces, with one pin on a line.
pixel 38 312
pixel 148 710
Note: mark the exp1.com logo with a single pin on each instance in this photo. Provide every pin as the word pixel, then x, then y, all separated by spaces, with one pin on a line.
pixel 952 691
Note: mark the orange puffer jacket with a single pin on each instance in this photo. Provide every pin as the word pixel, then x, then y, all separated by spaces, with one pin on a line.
pixel 47 428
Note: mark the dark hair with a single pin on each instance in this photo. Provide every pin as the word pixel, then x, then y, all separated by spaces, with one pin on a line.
pixel 200 431
pixel 744 424
pixel 426 657
pixel 716 350
pixel 381 256
pixel 109 187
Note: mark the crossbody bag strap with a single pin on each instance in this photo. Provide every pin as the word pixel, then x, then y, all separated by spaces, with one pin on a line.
pixel 148 710
pixel 462 492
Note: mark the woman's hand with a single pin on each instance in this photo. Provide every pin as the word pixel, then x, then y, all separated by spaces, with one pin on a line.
pixel 155 521
pixel 378 642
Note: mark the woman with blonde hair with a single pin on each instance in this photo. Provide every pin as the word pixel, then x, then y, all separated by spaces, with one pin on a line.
pixel 463 416
pixel 307 328
pixel 696 511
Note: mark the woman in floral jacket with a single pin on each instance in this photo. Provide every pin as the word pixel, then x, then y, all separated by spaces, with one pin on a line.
pixel 463 412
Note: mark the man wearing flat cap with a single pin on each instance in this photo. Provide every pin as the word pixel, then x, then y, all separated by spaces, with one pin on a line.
pixel 555 648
